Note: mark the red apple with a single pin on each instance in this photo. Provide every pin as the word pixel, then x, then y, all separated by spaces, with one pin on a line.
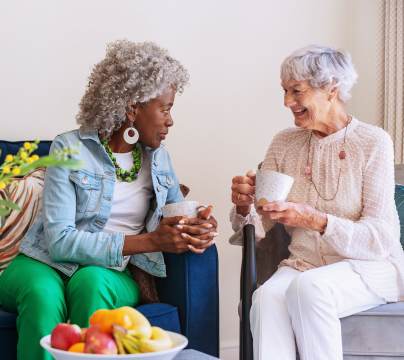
pixel 98 342
pixel 65 335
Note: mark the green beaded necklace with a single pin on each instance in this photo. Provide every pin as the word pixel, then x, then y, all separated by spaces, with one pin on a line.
pixel 126 175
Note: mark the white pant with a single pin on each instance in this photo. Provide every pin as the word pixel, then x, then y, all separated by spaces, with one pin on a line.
pixel 306 305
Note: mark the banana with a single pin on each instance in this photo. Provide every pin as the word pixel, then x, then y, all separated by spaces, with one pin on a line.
pixel 126 342
pixel 119 333
pixel 140 326
pixel 131 345
pixel 159 341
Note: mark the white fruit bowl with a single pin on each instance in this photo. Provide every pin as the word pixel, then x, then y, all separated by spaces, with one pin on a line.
pixel 179 343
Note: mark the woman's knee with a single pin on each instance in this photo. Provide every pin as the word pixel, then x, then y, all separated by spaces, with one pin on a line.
pixel 88 280
pixel 307 288
pixel 39 301
pixel 267 295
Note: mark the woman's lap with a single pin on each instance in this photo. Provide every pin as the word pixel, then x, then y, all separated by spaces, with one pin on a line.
pixel 343 285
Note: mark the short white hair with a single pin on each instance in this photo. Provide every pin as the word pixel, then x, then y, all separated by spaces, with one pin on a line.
pixel 321 66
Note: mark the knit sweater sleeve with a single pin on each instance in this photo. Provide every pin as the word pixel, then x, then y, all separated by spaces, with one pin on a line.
pixel 261 226
pixel 374 235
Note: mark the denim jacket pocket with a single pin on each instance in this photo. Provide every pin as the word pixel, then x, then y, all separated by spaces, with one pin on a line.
pixel 88 186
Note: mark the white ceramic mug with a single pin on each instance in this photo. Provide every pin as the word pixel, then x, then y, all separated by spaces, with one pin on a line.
pixel 271 186
pixel 182 208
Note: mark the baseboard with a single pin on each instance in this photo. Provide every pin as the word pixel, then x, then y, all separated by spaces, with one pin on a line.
pixel 229 351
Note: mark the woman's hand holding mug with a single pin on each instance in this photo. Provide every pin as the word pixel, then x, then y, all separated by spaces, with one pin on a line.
pixel 243 192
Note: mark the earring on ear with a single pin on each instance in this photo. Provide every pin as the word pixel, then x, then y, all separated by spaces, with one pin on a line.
pixel 131 135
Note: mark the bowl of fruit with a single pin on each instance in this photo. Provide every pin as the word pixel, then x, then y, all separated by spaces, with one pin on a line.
pixel 118 334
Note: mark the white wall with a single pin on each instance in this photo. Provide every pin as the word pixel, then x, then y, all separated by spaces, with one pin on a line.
pixel 223 122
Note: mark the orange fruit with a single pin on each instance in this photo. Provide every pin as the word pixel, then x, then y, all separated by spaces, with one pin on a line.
pixel 77 347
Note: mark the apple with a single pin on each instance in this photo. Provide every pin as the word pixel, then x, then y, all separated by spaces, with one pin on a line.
pixel 65 335
pixel 98 342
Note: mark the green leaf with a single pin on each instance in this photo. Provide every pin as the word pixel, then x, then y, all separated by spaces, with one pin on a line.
pixel 4 212
pixel 8 204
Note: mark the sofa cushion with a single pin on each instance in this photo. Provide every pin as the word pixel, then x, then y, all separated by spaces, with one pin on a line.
pixel 375 331
pixel 162 315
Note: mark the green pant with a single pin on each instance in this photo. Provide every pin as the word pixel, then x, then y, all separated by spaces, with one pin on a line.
pixel 43 297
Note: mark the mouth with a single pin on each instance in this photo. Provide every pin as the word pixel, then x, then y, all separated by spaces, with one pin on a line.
pixel 299 112
pixel 163 136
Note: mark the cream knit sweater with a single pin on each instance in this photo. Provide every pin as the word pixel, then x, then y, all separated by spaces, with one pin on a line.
pixel 363 225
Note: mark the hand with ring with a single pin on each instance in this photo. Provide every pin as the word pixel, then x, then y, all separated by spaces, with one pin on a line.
pixel 243 192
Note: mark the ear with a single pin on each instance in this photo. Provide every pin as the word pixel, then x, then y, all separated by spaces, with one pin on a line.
pixel 132 111
pixel 332 92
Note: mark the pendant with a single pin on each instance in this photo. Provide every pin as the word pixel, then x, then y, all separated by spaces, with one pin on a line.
pixel 342 155
pixel 307 171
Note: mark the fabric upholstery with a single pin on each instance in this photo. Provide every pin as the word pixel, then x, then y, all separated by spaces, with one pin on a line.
pixel 11 147
pixel 399 197
pixel 375 331
pixel 162 315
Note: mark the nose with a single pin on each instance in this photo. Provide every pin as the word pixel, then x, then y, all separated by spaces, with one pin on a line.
pixel 170 121
pixel 288 100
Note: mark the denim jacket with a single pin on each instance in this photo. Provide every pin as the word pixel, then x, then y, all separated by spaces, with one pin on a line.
pixel 77 204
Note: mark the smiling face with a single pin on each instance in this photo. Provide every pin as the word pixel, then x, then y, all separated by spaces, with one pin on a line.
pixel 310 106
pixel 153 119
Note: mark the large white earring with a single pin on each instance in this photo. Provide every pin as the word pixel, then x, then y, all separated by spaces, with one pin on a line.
pixel 131 135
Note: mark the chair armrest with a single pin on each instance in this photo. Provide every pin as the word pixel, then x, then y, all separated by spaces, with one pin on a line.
pixel 192 285
pixel 247 287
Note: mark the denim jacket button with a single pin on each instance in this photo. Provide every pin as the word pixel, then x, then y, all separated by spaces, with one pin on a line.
pixel 84 180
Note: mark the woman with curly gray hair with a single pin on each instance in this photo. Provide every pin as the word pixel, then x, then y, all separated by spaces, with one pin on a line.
pixel 345 252
pixel 101 218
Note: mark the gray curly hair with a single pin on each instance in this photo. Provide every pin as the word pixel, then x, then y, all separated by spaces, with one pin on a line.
pixel 130 73
pixel 321 66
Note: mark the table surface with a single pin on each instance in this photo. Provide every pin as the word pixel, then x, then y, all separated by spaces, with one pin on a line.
pixel 193 355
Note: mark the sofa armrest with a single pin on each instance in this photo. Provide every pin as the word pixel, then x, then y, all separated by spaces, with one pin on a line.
pixel 192 285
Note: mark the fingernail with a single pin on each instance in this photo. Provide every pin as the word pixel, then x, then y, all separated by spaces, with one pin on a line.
pixel 208 226
pixel 182 221
pixel 214 233
pixel 179 227
pixel 184 235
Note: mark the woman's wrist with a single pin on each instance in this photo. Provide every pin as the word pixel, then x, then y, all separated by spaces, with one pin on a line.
pixel 137 244
pixel 321 222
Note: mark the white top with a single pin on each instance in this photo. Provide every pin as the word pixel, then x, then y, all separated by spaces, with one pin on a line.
pixel 363 226
pixel 131 200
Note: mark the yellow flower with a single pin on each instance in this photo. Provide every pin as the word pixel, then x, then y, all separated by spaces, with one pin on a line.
pixel 9 158
pixel 34 157
pixel 6 169
pixel 16 171
pixel 24 155
pixel 27 145
pixel 2 185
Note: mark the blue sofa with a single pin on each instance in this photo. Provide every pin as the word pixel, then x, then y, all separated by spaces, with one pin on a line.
pixel 189 294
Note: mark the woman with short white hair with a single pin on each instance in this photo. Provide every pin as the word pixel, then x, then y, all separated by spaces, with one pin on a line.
pixel 345 252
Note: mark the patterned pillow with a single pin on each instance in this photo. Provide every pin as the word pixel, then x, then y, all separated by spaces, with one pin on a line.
pixel 26 192
pixel 399 197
